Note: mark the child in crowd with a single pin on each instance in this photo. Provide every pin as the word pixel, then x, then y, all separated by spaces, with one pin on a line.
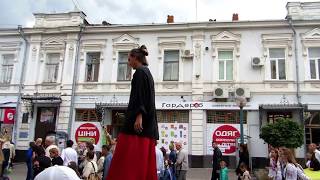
pixel 246 174
pixel 223 170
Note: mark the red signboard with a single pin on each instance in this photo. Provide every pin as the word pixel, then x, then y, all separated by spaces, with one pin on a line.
pixel 9 116
pixel 225 136
pixel 87 132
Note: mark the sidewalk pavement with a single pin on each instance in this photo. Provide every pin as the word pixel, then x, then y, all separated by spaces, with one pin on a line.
pixel 20 170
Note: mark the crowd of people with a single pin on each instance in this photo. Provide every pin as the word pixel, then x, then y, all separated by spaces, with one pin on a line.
pixel 82 158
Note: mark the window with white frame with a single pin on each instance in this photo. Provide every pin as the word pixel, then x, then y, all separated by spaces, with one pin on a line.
pixel 124 70
pixel 314 61
pixel 6 68
pixel 171 65
pixel 52 67
pixel 92 67
pixel 277 63
pixel 225 58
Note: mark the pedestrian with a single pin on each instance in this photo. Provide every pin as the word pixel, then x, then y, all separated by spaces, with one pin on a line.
pixel 160 163
pixel 245 173
pixel 73 165
pixel 101 160
pixel 41 161
pixel 243 158
pixel 223 171
pixel 29 160
pixel 107 162
pixel 216 158
pixel 12 153
pixel 313 149
pixel 136 142
pixel 90 167
pixel 292 170
pixel 172 159
pixel 314 163
pixel 167 175
pixel 1 158
pixel 182 162
pixel 39 142
pixel 6 153
pixel 55 158
pixel 50 144
pixel 69 154
pixel 274 155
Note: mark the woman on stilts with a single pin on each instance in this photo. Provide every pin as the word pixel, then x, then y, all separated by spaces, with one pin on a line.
pixel 134 157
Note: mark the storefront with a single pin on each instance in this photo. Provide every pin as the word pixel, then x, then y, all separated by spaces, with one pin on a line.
pixel 7 114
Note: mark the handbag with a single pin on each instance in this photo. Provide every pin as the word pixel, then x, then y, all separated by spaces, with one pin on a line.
pixel 94 176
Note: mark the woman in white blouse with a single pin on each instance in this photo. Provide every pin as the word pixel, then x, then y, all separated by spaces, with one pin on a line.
pixel 90 167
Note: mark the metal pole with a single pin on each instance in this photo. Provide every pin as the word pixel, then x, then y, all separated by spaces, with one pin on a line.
pixel 241 125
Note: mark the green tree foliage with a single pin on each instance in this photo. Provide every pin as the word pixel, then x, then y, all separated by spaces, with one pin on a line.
pixel 284 132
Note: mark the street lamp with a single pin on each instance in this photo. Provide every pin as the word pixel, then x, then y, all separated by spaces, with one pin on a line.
pixel 241 102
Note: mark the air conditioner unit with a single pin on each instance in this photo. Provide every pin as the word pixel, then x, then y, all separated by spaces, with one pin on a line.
pixel 242 92
pixel 187 54
pixel 220 93
pixel 256 62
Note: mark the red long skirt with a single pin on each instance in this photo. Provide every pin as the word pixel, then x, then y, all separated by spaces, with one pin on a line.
pixel 134 159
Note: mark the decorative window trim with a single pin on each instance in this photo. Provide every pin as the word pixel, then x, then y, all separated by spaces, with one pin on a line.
pixel 124 42
pixel 92 45
pixel 171 43
pixel 281 40
pixel 11 48
pixel 225 40
pixel 310 39
pixel 52 45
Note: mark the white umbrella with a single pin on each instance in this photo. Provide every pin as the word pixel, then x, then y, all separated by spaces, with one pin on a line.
pixel 57 172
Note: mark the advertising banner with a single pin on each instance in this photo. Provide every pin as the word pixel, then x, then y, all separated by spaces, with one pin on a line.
pixel 176 132
pixel 92 132
pixel 225 135
pixel 9 116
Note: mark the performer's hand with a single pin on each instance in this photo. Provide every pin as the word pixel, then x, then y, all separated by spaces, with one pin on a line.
pixel 138 124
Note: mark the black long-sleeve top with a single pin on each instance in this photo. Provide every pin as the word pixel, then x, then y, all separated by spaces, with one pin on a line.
pixel 142 100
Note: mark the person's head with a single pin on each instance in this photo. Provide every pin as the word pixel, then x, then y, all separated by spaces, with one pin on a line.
pixel 312 147
pixel 54 152
pixel 214 145
pixel 171 147
pixel 39 151
pixel 178 145
pixel 32 144
pixel 223 164
pixel 287 156
pixel 69 143
pixel 137 57
pixel 49 141
pixel 243 167
pixel 274 153
pixel 105 150
pixel 73 165
pixel 39 141
pixel 90 147
pixel 244 148
pixel 309 156
pixel 90 155
pixel 164 151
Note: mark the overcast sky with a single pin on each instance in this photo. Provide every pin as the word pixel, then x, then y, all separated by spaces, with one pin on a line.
pixel 14 12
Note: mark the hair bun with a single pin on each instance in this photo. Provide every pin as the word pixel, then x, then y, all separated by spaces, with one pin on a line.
pixel 144 50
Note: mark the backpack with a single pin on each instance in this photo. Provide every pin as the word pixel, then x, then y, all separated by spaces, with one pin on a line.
pixel 93 176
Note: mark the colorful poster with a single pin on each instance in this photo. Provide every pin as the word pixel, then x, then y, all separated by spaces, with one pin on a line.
pixel 176 132
pixel 9 116
pixel 225 135
pixel 84 131
pixel 47 115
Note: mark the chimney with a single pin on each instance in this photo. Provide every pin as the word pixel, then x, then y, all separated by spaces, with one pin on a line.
pixel 170 19
pixel 235 17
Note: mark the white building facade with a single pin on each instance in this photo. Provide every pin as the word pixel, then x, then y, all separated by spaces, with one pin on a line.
pixel 76 79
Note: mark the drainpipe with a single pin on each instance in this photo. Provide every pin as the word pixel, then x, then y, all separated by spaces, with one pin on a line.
pixel 21 80
pixel 75 78
pixel 298 95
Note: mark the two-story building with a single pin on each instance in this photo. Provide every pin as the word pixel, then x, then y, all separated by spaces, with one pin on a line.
pixel 76 74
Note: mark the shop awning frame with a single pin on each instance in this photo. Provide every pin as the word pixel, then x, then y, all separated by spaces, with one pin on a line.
pixel 281 107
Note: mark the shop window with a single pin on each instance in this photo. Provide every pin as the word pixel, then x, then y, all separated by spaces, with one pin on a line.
pixel 171 65
pixel 274 116
pixel 86 115
pixel 173 116
pixel 124 70
pixel 93 64
pixel 226 117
